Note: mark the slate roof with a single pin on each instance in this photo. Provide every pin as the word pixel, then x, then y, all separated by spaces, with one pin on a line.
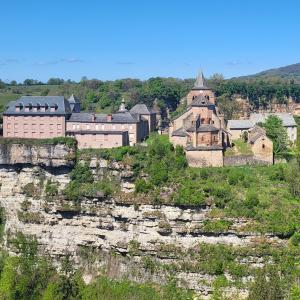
pixel 62 105
pixel 180 132
pixel 200 83
pixel 141 109
pixel 203 128
pixel 124 117
pixel 287 119
pixel 240 124
pixel 255 133
pixel 207 128
pixel 202 101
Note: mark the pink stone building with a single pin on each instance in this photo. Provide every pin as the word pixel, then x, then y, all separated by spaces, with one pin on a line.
pixel 111 130
pixel 53 116
pixel 36 117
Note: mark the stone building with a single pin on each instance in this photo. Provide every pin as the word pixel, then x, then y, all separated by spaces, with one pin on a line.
pixel 287 119
pixel 199 129
pixel 111 130
pixel 237 127
pixel 36 117
pixel 261 145
pixel 54 116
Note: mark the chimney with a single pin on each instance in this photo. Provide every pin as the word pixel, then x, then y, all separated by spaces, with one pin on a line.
pixel 109 117
pixel 93 117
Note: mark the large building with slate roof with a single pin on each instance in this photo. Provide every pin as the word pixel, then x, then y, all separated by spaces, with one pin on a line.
pixel 36 117
pixel 200 128
pixel 54 116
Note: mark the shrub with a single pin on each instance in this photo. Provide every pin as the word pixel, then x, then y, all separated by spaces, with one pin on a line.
pixel 51 188
pixel 251 200
pixel 217 226
pixel 142 186
pixel 295 239
pixel 30 190
pixel 30 217
pixel 82 173
pixel 189 194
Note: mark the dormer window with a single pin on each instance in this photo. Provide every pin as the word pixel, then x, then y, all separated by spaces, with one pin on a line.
pixel 53 107
pixel 19 106
pixel 38 106
pixel 46 106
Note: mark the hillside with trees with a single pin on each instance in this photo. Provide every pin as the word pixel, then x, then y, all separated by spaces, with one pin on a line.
pixel 290 72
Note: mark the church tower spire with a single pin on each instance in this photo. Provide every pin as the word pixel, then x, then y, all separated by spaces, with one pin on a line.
pixel 199 83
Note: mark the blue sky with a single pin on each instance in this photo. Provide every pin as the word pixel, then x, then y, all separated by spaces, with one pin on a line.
pixel 141 39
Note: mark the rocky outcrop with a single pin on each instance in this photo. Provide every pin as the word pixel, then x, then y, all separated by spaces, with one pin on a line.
pixel 104 226
pixel 59 155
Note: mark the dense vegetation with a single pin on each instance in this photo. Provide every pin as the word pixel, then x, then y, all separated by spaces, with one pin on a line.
pixel 105 96
pixel 268 196
pixel 33 277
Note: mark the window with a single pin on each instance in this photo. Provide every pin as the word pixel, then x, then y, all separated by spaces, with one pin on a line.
pixel 87 126
pixel 263 146
pixel 102 126
pixel 114 127
pixel 74 126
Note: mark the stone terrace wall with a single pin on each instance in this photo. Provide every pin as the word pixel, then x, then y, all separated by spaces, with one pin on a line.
pixel 241 160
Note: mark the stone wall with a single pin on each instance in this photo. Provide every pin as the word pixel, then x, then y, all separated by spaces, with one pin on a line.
pixel 241 160
pixel 205 158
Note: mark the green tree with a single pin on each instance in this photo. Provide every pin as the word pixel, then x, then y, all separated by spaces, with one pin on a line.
pixel 277 133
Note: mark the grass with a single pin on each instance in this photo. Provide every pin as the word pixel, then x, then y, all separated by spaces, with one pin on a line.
pixel 240 148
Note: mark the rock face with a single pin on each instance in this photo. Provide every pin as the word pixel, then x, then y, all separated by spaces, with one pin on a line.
pixel 105 226
pixel 59 155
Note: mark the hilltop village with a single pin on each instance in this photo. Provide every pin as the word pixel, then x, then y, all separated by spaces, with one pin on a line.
pixel 200 129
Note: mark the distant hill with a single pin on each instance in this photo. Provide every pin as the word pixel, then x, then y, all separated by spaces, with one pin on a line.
pixel 290 72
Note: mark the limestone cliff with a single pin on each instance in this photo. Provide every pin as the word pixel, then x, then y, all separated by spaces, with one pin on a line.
pixel 121 238
pixel 59 155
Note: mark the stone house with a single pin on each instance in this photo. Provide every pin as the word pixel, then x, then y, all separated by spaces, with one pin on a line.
pixel 237 127
pixel 54 116
pixel 261 145
pixel 288 122
pixel 199 129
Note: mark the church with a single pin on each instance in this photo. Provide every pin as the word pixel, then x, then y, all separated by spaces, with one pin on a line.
pixel 200 129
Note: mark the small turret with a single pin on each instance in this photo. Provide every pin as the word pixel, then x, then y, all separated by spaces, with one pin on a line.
pixel 122 106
